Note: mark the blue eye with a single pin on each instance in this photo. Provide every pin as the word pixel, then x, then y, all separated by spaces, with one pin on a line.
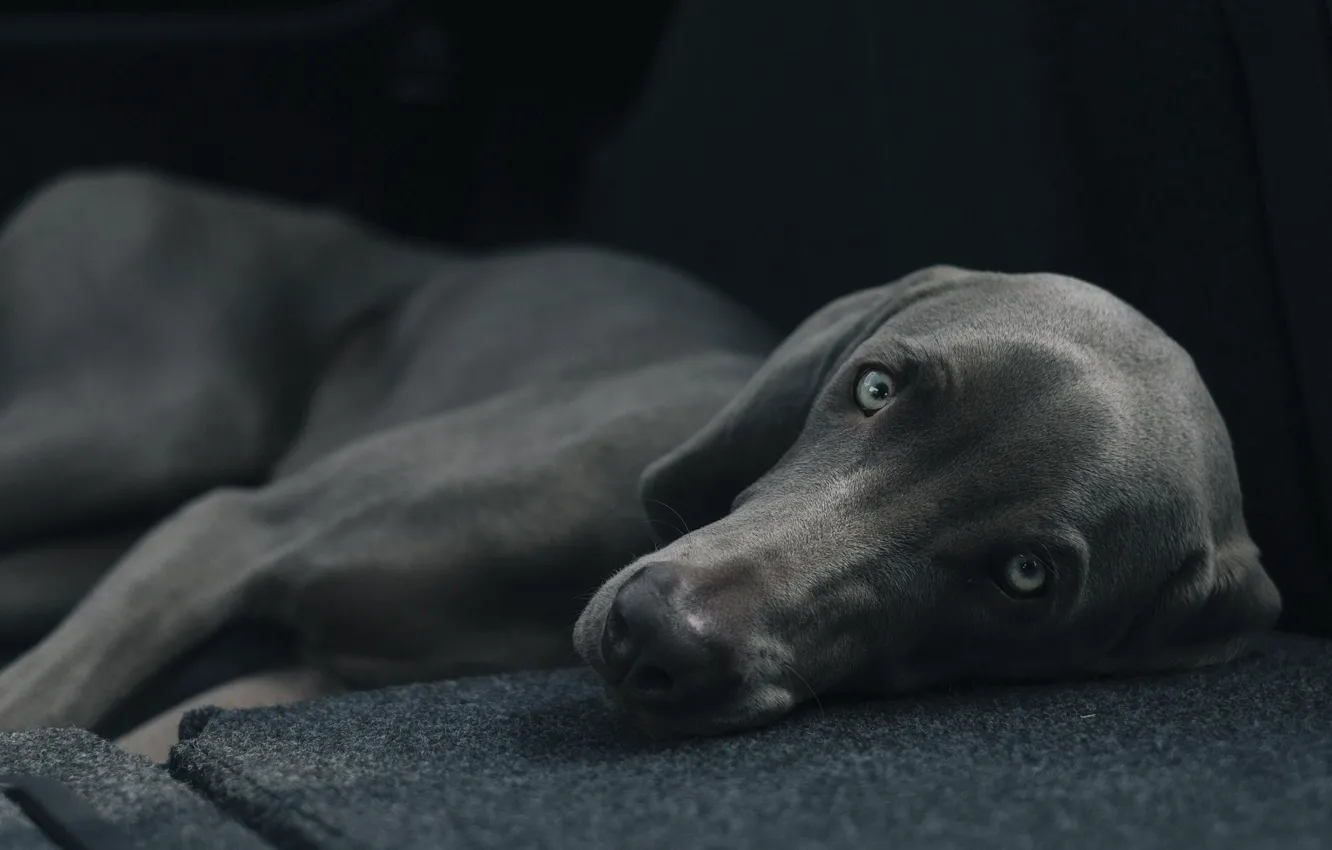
pixel 874 390
pixel 1024 576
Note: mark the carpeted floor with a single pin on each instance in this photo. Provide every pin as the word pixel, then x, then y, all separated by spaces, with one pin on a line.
pixel 1239 756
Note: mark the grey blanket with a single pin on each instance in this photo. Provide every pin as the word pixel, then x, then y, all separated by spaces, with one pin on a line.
pixel 1237 756
pixel 138 800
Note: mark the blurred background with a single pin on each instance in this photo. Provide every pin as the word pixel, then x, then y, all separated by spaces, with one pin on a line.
pixel 1178 154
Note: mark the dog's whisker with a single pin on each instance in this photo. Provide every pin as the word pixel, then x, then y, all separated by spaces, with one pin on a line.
pixel 656 539
pixel 823 715
pixel 674 511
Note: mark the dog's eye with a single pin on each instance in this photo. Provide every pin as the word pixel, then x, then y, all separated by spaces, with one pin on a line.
pixel 1024 576
pixel 874 390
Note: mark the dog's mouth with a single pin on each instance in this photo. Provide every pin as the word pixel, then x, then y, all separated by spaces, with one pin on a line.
pixel 746 707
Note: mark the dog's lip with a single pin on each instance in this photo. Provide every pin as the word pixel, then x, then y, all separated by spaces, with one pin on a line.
pixel 722 717
pixel 698 723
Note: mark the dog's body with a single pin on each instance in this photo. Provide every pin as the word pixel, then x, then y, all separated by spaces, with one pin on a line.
pixel 424 464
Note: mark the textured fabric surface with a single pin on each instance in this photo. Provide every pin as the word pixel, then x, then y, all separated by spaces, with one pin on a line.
pixel 130 792
pixel 1237 756
pixel 17 832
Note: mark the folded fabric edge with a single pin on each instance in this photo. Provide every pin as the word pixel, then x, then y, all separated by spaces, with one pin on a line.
pixel 207 773
pixel 194 721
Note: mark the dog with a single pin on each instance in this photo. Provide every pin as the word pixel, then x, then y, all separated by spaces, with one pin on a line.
pixel 428 464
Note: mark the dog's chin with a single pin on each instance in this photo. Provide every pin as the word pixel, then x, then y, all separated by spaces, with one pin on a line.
pixel 747 711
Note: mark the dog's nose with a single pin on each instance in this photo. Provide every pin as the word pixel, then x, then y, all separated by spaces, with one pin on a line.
pixel 657 651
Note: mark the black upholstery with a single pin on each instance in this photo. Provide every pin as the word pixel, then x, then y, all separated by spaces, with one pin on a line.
pixel 789 152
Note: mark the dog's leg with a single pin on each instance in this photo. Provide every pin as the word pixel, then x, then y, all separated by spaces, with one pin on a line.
pixel 176 586
pixel 468 543
pixel 40 584
pixel 154 738
pixel 454 543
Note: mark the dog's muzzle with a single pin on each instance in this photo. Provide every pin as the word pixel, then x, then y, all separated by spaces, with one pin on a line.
pixel 660 652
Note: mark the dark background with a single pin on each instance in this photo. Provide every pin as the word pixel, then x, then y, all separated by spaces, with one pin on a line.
pixel 1176 153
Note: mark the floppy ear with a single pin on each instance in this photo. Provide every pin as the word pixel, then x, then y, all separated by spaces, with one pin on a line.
pixel 1205 613
pixel 698 480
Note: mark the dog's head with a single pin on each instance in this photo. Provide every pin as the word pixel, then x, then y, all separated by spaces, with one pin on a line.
pixel 958 476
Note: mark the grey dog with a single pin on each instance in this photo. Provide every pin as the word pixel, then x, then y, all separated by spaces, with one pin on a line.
pixel 426 463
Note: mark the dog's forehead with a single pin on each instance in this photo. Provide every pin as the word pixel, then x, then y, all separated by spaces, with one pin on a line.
pixel 1010 330
pixel 1066 384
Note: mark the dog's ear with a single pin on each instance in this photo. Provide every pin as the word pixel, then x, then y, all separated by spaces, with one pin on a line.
pixel 696 483
pixel 1205 613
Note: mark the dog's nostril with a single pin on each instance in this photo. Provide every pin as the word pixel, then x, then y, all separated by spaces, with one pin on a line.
pixel 617 649
pixel 616 628
pixel 652 681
